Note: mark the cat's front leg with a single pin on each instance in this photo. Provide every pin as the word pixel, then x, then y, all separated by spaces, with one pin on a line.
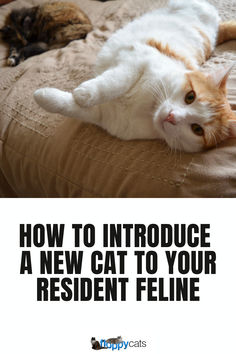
pixel 112 84
pixel 17 55
pixel 33 49
pixel 88 94
pixel 57 101
pixel 14 56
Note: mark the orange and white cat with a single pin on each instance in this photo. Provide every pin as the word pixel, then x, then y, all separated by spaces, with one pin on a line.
pixel 148 83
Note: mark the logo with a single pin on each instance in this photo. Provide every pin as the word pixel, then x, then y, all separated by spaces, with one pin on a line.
pixel 116 344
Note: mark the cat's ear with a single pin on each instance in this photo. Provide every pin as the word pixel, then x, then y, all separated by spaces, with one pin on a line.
pixel 232 128
pixel 220 76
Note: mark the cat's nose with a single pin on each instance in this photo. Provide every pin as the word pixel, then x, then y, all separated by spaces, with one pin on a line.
pixel 170 118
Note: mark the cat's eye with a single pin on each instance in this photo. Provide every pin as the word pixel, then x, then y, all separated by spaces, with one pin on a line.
pixel 197 129
pixel 190 97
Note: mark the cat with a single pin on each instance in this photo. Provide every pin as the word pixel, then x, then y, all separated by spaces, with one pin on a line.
pixel 148 83
pixel 115 340
pixel 95 344
pixel 32 31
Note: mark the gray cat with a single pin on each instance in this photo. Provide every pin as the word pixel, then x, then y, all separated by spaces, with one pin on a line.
pixel 115 340
pixel 95 344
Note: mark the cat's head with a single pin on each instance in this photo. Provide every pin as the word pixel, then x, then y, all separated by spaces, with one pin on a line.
pixel 18 28
pixel 196 115
pixel 93 339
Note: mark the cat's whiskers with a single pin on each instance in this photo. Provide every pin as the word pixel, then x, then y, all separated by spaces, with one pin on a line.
pixel 221 135
pixel 157 93
pixel 156 89
pixel 214 136
pixel 161 88
pixel 173 148
pixel 225 130
pixel 164 89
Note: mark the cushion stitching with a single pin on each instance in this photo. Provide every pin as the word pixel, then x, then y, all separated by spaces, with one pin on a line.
pixel 122 154
pixel 125 169
pixel 55 174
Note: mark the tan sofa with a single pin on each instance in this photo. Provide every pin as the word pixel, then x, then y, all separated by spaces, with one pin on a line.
pixel 47 155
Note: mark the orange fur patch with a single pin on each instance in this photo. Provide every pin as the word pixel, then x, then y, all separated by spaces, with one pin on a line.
pixel 62 13
pixel 200 57
pixel 227 31
pixel 206 44
pixel 215 130
pixel 166 50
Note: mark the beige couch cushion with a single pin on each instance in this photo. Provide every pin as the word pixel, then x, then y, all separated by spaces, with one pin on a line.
pixel 47 155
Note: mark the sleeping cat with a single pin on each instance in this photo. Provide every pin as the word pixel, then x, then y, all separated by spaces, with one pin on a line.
pixel 148 83
pixel 115 340
pixel 31 31
pixel 97 346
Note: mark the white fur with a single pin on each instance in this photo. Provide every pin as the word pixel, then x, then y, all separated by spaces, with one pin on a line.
pixel 137 86
pixel 11 61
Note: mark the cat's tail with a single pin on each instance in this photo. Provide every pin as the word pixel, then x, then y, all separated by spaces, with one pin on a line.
pixel 227 31
pixel 57 101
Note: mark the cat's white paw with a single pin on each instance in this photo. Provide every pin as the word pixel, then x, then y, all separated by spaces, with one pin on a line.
pixel 48 98
pixel 11 61
pixel 86 95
